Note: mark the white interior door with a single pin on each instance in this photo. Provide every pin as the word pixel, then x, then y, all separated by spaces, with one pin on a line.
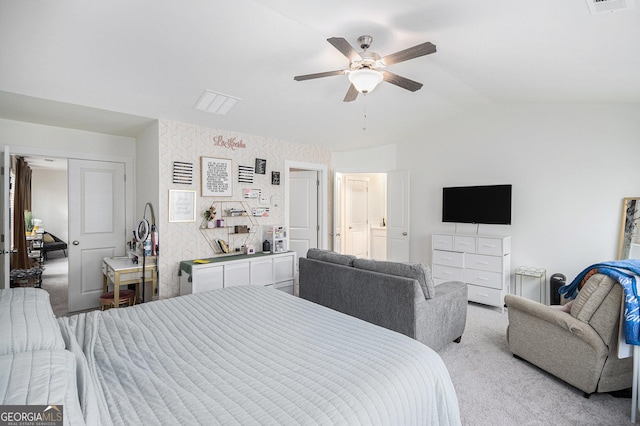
pixel 303 211
pixel 357 216
pixel 97 226
pixel 5 251
pixel 337 213
pixel 398 240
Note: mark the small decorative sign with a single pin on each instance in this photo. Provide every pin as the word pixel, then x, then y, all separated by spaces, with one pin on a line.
pixel 261 166
pixel 215 176
pixel 251 193
pixel 231 143
pixel 260 211
pixel 275 178
pixel 182 206
pixel 245 174
pixel 182 172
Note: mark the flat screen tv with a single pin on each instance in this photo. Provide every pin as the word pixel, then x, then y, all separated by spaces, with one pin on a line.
pixel 490 204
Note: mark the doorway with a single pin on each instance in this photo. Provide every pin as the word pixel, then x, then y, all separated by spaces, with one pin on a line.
pixel 360 214
pixel 47 221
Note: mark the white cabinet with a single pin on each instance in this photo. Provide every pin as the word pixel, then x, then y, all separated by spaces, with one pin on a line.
pixel 378 243
pixel 482 262
pixel 275 269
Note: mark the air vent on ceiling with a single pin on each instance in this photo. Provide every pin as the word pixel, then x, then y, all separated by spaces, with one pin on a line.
pixel 604 6
pixel 215 103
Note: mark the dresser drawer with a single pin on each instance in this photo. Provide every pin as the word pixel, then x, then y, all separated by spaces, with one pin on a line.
pixel 448 258
pixel 442 242
pixel 464 243
pixel 483 278
pixel 487 296
pixel 490 246
pixel 484 263
pixel 448 273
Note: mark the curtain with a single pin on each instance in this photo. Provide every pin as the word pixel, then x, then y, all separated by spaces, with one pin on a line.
pixel 22 200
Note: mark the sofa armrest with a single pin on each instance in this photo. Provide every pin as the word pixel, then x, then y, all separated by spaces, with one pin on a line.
pixel 442 319
pixel 522 309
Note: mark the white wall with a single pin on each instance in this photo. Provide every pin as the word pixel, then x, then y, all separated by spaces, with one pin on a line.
pixel 570 167
pixel 378 159
pixel 147 172
pixel 49 201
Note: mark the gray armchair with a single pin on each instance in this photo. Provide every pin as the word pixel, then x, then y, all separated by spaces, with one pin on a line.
pixel 580 346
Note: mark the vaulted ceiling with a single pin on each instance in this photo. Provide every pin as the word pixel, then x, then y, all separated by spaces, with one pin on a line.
pixel 109 66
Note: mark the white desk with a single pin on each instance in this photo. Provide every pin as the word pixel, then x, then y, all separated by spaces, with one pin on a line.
pixel 121 271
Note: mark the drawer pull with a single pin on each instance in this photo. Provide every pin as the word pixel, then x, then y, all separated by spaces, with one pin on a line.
pixel 447 258
pixel 483 278
pixel 483 294
pixel 447 273
pixel 482 263
pixel 465 244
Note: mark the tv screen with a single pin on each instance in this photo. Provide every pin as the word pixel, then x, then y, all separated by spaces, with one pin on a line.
pixel 490 204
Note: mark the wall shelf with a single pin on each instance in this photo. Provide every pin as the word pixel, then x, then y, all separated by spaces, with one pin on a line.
pixel 227 232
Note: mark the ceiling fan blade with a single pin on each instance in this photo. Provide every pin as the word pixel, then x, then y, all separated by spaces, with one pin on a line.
pixel 352 94
pixel 403 82
pixel 410 53
pixel 319 75
pixel 345 48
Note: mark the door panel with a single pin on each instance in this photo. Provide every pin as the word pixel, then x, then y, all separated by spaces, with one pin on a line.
pixel 303 211
pixel 357 216
pixel 97 226
pixel 398 239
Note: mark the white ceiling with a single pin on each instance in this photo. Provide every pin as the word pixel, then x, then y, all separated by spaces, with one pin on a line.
pixel 153 59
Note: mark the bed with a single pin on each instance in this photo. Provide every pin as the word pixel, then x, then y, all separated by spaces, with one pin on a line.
pixel 244 355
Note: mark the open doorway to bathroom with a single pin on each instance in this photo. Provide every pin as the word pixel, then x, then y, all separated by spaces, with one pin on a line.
pixel 360 214
pixel 46 223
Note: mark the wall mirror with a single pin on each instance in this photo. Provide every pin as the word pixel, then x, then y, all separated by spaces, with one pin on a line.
pixel 629 247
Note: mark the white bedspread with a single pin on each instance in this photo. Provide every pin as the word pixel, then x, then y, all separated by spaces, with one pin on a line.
pixel 253 355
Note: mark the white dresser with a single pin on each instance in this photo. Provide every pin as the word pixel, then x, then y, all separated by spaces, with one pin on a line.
pixel 483 262
pixel 276 270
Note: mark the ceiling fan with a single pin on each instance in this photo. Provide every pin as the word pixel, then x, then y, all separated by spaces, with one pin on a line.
pixel 367 69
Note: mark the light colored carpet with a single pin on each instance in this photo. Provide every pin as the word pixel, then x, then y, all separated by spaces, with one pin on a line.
pixel 494 388
pixel 55 279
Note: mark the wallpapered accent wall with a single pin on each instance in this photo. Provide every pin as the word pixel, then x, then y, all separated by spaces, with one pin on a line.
pixel 187 143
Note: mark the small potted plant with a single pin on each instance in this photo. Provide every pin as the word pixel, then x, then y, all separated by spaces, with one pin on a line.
pixel 210 216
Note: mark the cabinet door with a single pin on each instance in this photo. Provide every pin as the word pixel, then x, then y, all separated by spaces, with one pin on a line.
pixel 237 273
pixel 206 278
pixel 262 271
pixel 284 267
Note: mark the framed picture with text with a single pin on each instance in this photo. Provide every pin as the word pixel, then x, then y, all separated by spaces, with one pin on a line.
pixel 182 206
pixel 215 177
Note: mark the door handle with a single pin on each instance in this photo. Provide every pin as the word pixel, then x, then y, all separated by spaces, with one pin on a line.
pixel 76 242
pixel 404 233
pixel 337 235
pixel 351 227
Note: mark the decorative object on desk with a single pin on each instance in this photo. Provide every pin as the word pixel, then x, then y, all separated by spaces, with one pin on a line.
pixel 224 247
pixel 251 193
pixel 261 166
pixel 241 229
pixel 245 174
pixel 260 211
pixel 182 206
pixel 275 178
pixel 182 172
pixel 215 177
pixel 266 246
pixel 220 223
pixel 209 216
pixel 250 250
pixel 629 231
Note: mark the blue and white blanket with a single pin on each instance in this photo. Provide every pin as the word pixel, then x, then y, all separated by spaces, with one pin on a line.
pixel 626 272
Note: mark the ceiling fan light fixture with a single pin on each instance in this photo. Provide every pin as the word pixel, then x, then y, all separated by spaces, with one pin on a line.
pixel 365 79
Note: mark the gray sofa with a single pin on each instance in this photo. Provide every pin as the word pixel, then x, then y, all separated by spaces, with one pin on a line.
pixel 397 296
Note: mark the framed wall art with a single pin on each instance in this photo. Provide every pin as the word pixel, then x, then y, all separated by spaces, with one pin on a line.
pixel 215 177
pixel 182 206
pixel 261 166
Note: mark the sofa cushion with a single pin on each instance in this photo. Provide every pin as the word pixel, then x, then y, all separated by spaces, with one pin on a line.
pixel 591 296
pixel 415 271
pixel 330 256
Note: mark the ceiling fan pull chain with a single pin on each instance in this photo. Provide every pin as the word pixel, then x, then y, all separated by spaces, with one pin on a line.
pixel 364 119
